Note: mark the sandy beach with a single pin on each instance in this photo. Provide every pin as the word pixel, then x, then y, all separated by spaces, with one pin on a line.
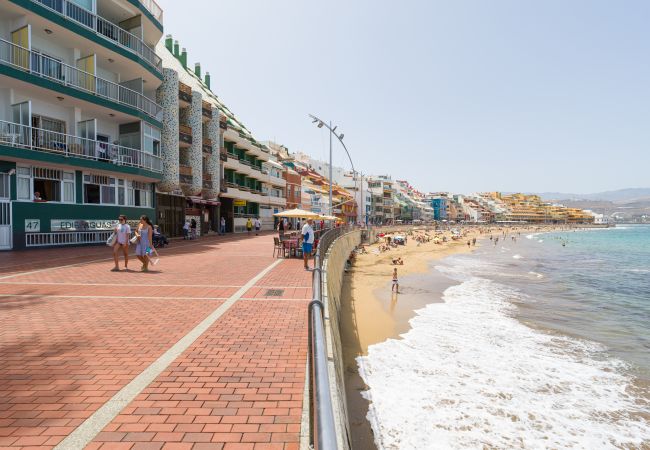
pixel 372 314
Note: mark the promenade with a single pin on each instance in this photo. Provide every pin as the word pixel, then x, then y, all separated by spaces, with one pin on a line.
pixel 206 351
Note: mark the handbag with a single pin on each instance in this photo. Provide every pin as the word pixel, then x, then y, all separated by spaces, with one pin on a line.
pixel 111 239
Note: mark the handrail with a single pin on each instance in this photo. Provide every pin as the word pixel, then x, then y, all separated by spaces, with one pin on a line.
pixel 32 138
pixel 59 72
pixel 104 28
pixel 322 424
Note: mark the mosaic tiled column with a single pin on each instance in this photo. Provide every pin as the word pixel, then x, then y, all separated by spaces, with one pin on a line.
pixel 167 96
pixel 213 163
pixel 194 120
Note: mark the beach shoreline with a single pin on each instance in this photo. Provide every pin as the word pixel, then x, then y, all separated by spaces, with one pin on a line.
pixel 371 313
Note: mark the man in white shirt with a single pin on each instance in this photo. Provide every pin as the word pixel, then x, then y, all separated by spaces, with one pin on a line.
pixel 222 228
pixel 258 226
pixel 307 242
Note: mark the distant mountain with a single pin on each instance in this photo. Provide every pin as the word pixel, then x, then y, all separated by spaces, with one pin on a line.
pixel 619 196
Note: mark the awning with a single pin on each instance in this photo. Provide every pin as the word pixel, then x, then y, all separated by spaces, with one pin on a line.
pixel 201 201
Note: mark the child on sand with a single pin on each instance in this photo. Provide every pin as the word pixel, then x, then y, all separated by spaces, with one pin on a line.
pixel 395 287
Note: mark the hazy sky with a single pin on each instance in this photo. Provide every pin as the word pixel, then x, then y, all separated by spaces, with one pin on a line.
pixel 459 95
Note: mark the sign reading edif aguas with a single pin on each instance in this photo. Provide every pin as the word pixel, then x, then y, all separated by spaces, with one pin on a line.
pixel 82 225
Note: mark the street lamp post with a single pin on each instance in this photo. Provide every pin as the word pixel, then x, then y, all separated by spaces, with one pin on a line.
pixel 320 124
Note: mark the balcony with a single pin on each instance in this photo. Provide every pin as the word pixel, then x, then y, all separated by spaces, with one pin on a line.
pixel 184 94
pixel 153 8
pixel 223 154
pixel 184 136
pixel 104 28
pixel 54 70
pixel 207 184
pixel 206 111
pixel 223 123
pixel 207 146
pixel 38 139
pixel 185 174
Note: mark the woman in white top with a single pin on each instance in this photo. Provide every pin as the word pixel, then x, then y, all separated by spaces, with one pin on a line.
pixel 123 234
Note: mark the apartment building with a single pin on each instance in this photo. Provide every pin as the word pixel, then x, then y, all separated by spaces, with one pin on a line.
pixel 80 129
pixel 383 206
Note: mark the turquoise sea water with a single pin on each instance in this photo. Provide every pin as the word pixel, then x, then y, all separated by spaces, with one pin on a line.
pixel 542 342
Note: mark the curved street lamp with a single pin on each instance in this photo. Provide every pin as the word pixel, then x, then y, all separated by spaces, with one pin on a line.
pixel 320 124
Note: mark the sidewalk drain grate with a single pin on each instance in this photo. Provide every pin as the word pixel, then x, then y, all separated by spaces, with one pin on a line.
pixel 274 293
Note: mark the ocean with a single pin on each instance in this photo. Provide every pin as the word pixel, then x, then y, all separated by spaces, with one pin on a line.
pixel 539 343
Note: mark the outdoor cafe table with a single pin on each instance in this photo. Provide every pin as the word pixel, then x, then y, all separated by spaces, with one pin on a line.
pixel 291 244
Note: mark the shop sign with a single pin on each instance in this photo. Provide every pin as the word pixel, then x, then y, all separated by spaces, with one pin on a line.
pixel 239 203
pixel 82 225
pixel 32 225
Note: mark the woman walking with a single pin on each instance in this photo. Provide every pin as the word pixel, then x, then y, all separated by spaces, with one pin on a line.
pixel 145 241
pixel 249 226
pixel 122 235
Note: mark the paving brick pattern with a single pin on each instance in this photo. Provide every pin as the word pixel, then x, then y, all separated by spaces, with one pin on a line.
pixel 72 336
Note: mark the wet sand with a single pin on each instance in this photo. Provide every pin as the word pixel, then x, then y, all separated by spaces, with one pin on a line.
pixel 372 314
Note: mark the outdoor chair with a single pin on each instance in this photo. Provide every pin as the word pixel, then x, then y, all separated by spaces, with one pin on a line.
pixel 279 247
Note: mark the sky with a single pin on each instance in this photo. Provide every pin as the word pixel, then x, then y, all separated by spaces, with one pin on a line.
pixel 456 95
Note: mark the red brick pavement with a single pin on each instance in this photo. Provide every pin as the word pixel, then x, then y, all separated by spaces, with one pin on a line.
pixel 66 347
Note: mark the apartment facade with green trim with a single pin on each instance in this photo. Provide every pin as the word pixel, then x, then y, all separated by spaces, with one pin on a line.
pixel 80 127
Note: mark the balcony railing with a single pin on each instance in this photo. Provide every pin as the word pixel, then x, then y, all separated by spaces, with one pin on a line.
pixel 58 72
pixel 153 8
pixel 206 110
pixel 104 28
pixel 31 138
pixel 185 134
pixel 184 92
pixel 207 145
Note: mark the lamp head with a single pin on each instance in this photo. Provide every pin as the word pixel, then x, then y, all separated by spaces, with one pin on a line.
pixel 341 136
pixel 320 124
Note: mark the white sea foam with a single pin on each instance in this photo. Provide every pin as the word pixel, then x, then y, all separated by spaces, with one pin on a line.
pixel 469 375
pixel 517 257
pixel 531 236
pixel 540 241
pixel 536 274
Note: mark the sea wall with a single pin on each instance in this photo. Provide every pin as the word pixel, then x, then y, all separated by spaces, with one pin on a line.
pixel 333 270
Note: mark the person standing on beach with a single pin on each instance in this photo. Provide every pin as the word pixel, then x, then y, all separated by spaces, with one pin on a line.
pixel 469 244
pixel 395 287
pixel 474 241
pixel 249 226
pixel 122 235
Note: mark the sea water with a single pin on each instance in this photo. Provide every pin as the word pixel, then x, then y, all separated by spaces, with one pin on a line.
pixel 544 342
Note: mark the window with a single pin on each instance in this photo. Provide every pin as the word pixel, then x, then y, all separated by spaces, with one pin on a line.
pixel 24 183
pixel 108 192
pixel 47 182
pixel 52 185
pixel 121 193
pixel 92 188
pixel 140 194
pixel 68 187
pixel 151 140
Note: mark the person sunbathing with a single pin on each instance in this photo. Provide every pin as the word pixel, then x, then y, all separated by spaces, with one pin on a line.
pixel 398 261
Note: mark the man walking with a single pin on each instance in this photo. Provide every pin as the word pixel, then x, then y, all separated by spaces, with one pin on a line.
pixel 307 242
pixel 222 226
pixel 258 226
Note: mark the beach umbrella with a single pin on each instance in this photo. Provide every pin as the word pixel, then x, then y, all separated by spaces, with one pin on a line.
pixel 296 213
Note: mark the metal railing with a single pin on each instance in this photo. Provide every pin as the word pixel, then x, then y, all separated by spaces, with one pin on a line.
pixel 59 72
pixel 66 238
pixel 32 138
pixel 321 419
pixel 104 28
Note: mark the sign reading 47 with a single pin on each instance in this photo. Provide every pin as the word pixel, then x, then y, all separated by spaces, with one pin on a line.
pixel 32 225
